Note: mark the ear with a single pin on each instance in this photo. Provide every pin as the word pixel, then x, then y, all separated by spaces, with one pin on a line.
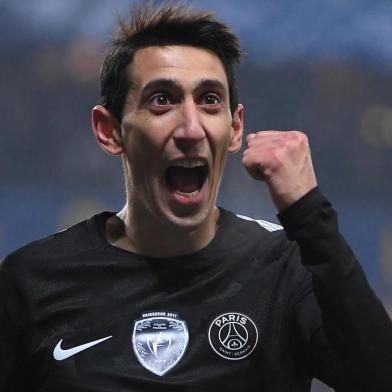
pixel 106 130
pixel 237 126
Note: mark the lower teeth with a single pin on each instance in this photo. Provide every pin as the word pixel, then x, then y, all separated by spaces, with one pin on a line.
pixel 186 194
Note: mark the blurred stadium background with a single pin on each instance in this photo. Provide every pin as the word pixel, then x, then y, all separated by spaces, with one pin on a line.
pixel 321 66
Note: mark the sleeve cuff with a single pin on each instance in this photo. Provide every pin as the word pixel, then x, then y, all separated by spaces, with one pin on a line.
pixel 293 218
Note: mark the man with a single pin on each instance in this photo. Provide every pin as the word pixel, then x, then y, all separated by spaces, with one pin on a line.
pixel 173 293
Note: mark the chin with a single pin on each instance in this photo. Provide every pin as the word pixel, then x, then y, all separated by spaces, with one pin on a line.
pixel 188 221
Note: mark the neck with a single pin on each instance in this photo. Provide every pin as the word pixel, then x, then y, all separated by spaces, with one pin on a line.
pixel 134 232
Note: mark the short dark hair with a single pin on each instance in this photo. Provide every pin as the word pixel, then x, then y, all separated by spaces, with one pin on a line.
pixel 169 24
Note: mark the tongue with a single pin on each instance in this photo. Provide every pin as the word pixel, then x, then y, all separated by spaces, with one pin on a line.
pixel 183 180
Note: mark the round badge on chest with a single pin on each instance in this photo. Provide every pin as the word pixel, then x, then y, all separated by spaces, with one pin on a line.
pixel 233 335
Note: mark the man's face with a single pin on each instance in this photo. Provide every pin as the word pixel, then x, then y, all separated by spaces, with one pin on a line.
pixel 176 131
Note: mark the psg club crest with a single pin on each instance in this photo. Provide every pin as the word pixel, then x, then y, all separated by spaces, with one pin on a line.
pixel 159 341
pixel 233 335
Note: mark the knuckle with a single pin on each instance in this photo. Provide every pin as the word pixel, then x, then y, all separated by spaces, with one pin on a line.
pixel 297 135
pixel 250 137
pixel 297 139
pixel 301 137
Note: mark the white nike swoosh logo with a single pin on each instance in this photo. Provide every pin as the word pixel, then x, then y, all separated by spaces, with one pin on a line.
pixel 60 354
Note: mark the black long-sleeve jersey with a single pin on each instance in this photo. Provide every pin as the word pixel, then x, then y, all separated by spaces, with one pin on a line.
pixel 258 309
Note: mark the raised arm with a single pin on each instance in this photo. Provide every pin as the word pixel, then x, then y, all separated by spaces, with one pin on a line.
pixel 352 348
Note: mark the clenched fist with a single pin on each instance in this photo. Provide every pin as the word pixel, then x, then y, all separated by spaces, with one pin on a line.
pixel 281 159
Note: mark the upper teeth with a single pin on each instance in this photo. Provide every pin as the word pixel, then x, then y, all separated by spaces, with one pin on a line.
pixel 189 163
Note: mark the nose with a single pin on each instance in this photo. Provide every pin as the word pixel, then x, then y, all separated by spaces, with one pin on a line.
pixel 190 130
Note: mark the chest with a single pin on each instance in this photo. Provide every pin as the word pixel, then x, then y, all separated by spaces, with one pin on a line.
pixel 114 328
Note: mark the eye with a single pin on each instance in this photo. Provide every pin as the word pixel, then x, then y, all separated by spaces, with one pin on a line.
pixel 160 103
pixel 211 99
pixel 160 100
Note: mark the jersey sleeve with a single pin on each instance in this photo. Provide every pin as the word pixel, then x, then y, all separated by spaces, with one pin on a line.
pixel 12 334
pixel 347 331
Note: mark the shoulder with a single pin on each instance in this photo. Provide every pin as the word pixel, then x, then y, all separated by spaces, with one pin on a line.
pixel 252 233
pixel 253 227
pixel 65 243
pixel 266 247
pixel 261 224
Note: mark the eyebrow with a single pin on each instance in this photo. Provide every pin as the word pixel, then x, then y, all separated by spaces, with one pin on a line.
pixel 212 84
pixel 163 83
pixel 159 84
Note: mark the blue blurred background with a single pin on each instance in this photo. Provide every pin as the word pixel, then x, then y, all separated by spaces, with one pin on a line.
pixel 321 66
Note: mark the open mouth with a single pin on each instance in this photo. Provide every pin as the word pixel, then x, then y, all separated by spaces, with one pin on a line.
pixel 187 176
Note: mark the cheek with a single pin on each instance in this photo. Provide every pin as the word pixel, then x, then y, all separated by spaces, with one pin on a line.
pixel 143 145
pixel 220 143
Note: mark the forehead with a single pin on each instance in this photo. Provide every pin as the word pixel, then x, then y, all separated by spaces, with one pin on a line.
pixel 186 64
